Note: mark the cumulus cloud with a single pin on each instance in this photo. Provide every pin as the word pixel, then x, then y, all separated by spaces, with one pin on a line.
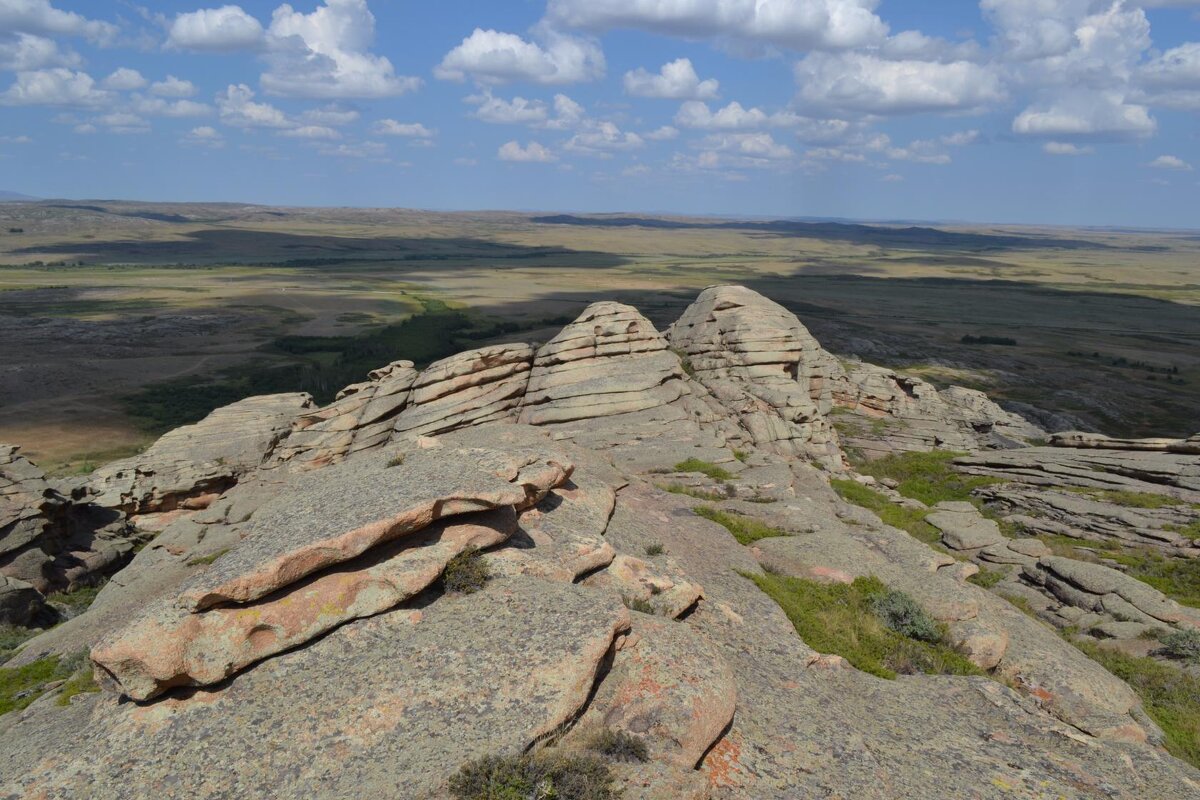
pixel 495 57
pixel 1066 149
pixel 326 54
pixel 517 111
pixel 312 132
pixel 124 80
pixel 695 114
pixel 157 106
pixel 567 114
pixel 41 17
pixel 533 152
pixel 223 29
pixel 665 133
pixel 54 87
pixel 864 83
pixel 24 52
pixel 602 139
pixel 333 116
pixel 204 136
pixel 1086 114
pixel 239 109
pixel 1173 78
pixel 785 23
pixel 409 130
pixel 173 87
pixel 677 80
pixel 743 150
pixel 1170 162
pixel 123 122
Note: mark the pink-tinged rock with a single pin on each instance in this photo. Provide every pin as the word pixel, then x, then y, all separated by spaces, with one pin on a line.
pixel 171 647
pixel 664 587
pixel 333 515
pixel 984 646
pixel 670 687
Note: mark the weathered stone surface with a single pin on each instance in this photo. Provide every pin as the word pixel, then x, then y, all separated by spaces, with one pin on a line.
pixel 668 686
pixel 169 646
pixel 1101 581
pixel 336 514
pixel 662 586
pixel 20 603
pixel 470 388
pixel 1098 441
pixel 963 527
pixel 360 417
pixel 891 412
pixel 611 360
pixel 384 707
pixel 759 362
pixel 201 459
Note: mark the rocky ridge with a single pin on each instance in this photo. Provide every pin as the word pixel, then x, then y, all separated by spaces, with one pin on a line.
pixel 296 590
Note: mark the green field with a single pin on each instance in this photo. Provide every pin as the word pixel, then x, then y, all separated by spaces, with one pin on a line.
pixel 122 319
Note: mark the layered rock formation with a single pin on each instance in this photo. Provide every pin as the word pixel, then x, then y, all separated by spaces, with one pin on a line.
pixel 297 635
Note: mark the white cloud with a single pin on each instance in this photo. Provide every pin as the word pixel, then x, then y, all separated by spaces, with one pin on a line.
pixel 567 114
pixel 603 138
pixel 1170 162
pixel 533 152
pixel 204 136
pixel 1086 114
pixel 173 87
pixel 786 23
pixel 312 132
pixel 1173 78
pixel 746 149
pixel 695 114
pixel 40 17
pixel 54 87
pixel 124 80
pixel 517 111
pixel 16 140
pixel 665 133
pixel 123 122
pixel 676 80
pixel 1066 149
pixel 332 116
pixel 221 29
pixel 24 52
pixel 494 57
pixel 175 108
pixel 326 54
pixel 238 108
pixel 863 83
pixel 410 130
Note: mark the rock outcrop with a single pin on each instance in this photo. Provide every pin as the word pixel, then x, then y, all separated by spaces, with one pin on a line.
pixel 297 629
pixel 191 466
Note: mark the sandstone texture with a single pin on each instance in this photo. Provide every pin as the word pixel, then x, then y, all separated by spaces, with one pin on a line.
pixel 287 624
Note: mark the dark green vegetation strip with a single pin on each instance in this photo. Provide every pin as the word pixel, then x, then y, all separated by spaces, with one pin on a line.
pixel 704 468
pixel 851 620
pixel 1170 696
pixel 928 477
pixel 322 365
pixel 20 686
pixel 744 529
pixel 906 519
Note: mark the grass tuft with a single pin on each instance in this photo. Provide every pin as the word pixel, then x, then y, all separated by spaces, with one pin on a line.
pixel 1127 499
pixel 655 549
pixel 466 573
pixel 638 604
pixel 841 619
pixel 617 745
pixel 987 578
pixel 691 491
pixel 906 519
pixel 928 477
pixel 745 529
pixel 20 686
pixel 1184 644
pixel 704 468
pixel 395 461
pixel 1170 696
pixel 538 776
pixel 204 561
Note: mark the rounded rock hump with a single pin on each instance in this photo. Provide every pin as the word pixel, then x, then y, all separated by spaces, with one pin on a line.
pixel 611 360
pixel 759 360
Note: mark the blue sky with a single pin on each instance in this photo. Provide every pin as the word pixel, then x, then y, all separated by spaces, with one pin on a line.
pixel 1039 111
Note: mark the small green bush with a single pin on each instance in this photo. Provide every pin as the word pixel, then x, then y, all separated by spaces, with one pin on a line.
pixel 638 604
pixel 1183 644
pixel 655 549
pixel 395 461
pixel 77 600
pixel 987 578
pixel 619 745
pixel 741 455
pixel 466 573
pixel 838 618
pixel 691 491
pixel 902 614
pixel 541 776
pixel 704 468
pixel 745 529
pixel 11 639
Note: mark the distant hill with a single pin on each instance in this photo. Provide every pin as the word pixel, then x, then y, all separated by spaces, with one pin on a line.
pixel 14 197
pixel 884 236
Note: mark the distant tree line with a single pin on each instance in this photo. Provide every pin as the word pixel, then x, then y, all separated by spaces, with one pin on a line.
pixel 1002 340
